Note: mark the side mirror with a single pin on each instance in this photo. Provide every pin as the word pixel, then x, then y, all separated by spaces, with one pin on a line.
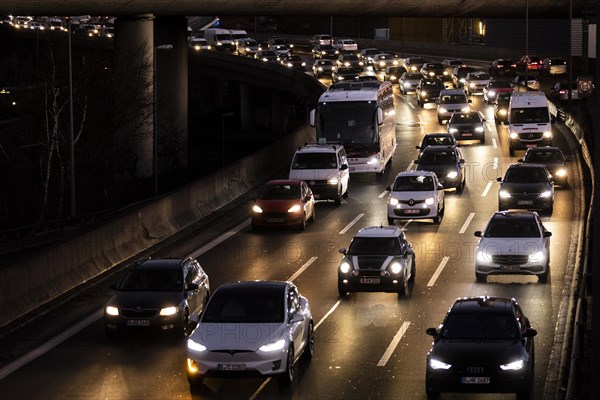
pixel 388 188
pixel 440 186
pixel 477 233
pixel 342 250
pixel 462 161
pixel 312 117
pixel 547 234
pixel 195 317
pixel 529 332
pixel 552 119
pixel 296 317
pixel 520 160
pixel 416 161
pixel 379 116
pixel 344 167
pixel 499 179
pixel 418 147
pixel 431 332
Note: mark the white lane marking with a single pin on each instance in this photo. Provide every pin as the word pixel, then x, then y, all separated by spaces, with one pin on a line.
pixel 421 124
pixel 260 388
pixel 412 164
pixel 494 143
pixel 388 353
pixel 351 223
pixel 487 189
pixel 438 271
pixel 49 345
pixel 331 310
pixel 383 194
pixel 220 239
pixel 467 222
pixel 302 268
pixel 495 165
pixel 406 224
pixel 410 105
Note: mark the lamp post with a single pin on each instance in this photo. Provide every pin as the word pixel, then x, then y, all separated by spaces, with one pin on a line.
pixel 155 115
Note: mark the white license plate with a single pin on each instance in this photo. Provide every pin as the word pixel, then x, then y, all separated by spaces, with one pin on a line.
pixel 530 145
pixel 477 380
pixel 411 211
pixel 510 267
pixel 525 202
pixel 232 367
pixel 467 134
pixel 275 220
pixel 138 322
pixel 370 281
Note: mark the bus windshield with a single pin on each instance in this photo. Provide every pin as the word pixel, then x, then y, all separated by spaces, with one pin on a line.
pixel 348 122
pixel 529 115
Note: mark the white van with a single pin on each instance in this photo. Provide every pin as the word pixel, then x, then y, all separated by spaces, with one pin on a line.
pixel 219 39
pixel 325 168
pixel 238 35
pixel 529 121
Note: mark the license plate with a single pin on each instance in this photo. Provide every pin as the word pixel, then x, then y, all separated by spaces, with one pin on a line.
pixel 466 134
pixel 510 267
pixel 477 380
pixel 525 202
pixel 138 322
pixel 370 281
pixel 530 145
pixel 232 367
pixel 275 220
pixel 411 211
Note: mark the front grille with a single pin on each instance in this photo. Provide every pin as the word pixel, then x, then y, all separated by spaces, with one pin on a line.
pixel 133 313
pixel 510 259
pixel 270 215
pixel 369 272
pixel 370 262
pixel 411 201
pixel 524 196
pixel 530 135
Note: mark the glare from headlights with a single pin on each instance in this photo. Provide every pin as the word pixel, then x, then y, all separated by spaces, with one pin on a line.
pixel 423 93
pixel 473 84
pixel 491 93
pixel 164 312
pixel 545 194
pixel 429 201
pixel 197 48
pixel 333 181
pixel 278 345
pixel 452 175
pixel 452 130
pixel 443 110
pixel 257 209
pixel 561 172
pixel 538 256
pixel 393 201
pixel 395 268
pixel 373 160
pixel 195 346
pixel 479 129
pixel 407 85
pixel 503 112
pixel 344 268
pixel 294 209
pixel 513 135
pixel 547 134
pixel 437 364
pixel 504 194
pixel 513 366
pixel 465 109
pixel 110 310
pixel 482 257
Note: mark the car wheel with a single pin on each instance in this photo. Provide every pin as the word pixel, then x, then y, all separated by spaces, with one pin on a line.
pixel 255 227
pixel 480 278
pixel 338 199
pixel 287 377
pixel 182 330
pixel 195 382
pixel 511 151
pixel 543 278
pixel 309 351
pixel 391 221
pixel 482 141
pixel 440 121
pixel 342 290
pixel 302 225
pixel 437 219
pixel 403 289
pixel 550 210
pixel 313 216
pixel 432 394
pixel 413 270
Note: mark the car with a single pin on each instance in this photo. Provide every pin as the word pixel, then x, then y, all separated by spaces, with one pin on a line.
pixel 501 107
pixel 449 65
pixel 467 126
pixel 383 60
pixel 428 90
pixel 451 101
pixel 475 82
pixel 379 259
pixel 323 67
pixel 281 50
pixel 368 76
pixel 367 55
pixel 344 74
pixel 532 82
pixel 502 67
pixel 560 91
pixel 294 61
pixel 325 168
pixel 322 51
pixel 484 344
pixel 320 39
pixel 448 164
pixel 346 45
pixel 251 328
pixel 409 81
pixel 283 202
pixel 529 63
pixel 393 74
pixel 248 47
pixel 493 88
pixel 514 242
pixel 157 295
pixel 198 43
pixel 36 25
pixel 349 60
pixel 280 40
pixel 553 159
pixel 415 195
pixel 553 67
pixel 266 56
pixel 414 64
pixel 433 70
pixel 437 138
pixel 526 186
pixel 459 75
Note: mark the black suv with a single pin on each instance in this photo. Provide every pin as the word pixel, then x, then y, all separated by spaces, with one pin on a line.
pixel 447 163
pixel 428 90
pixel 484 344
pixel 526 186
pixel 157 295
pixel 467 126
pixel 553 159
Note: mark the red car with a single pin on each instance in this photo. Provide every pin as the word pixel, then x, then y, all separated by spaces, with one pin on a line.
pixel 284 202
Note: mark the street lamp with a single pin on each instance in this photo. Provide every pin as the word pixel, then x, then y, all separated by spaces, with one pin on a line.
pixel 155 115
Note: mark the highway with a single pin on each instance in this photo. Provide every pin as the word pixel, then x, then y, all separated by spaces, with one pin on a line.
pixel 367 345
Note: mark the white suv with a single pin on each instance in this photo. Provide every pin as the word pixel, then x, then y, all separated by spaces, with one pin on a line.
pixel 324 168
pixel 415 195
pixel 451 101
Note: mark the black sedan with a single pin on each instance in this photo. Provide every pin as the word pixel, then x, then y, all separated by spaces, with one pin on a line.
pixel 552 158
pixel 447 163
pixel 526 186
pixel 467 126
pixel 485 344
pixel 503 66
pixel 344 74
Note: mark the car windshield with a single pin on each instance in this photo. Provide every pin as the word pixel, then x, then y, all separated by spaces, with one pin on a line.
pixel 415 76
pixel 437 140
pixel 435 66
pixel 314 161
pixel 437 84
pixel 467 118
pixel 490 326
pixel 529 115
pixel 525 175
pixel 280 192
pixel 261 305
pixel 544 157
pixel 151 280
pixel 512 227
pixel 374 246
pixel 438 158
pixel 413 184
pixel 500 84
pixel 453 99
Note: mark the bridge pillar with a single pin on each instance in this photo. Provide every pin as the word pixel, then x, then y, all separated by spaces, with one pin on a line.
pixel 246 107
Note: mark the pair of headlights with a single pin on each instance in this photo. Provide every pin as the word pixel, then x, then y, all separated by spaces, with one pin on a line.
pixel 511 366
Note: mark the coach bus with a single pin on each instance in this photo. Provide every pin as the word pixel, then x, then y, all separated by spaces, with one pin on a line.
pixel 360 116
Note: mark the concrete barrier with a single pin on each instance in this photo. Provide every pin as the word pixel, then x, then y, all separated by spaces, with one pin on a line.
pixel 31 283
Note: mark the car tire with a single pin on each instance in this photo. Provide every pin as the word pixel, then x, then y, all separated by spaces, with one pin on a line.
pixel 314 214
pixel 511 151
pixel 182 328
pixel 302 225
pixel 482 141
pixel 413 270
pixel 543 278
pixel 195 382
pixel 432 394
pixel 342 290
pixel 391 221
pixel 549 210
pixel 309 350
pixel 287 377
pixel 481 278
pixel 403 289
pixel 338 199
pixel 437 219
pixel 110 334
pixel 440 121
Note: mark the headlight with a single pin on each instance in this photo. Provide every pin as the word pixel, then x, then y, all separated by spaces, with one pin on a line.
pixel 257 209
pixel 452 130
pixel 265 59
pixel 423 93
pixel 479 129
pixel 429 201
pixel 503 111
pixel 445 73
pixel 431 73
pixel 443 110
pixel 504 194
pixel 407 85
pixel 278 345
pixel 437 364
pixel 304 64
pixel 473 85
pixel 373 160
pixel 110 310
pixel 393 77
pixel 320 69
pixel 164 312
pixel 195 346
pixel 346 64
pixel 513 366
pixel 395 268
pixel 491 93
pixel 395 62
pixel 393 202
pixel 513 135
pixel 462 80
pixel 547 134
pixel 197 48
pixel 538 256
pixel 545 194
pixel 294 209
pixel 452 175
pixel 333 181
pixel 482 257
pixel 289 65
pixel 382 63
pixel 561 172
pixel 413 68
pixel 344 268
pixel 219 44
pixel 465 109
